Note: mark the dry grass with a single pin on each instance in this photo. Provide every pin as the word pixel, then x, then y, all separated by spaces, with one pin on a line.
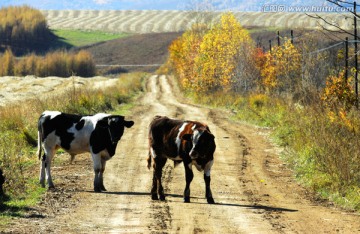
pixel 323 152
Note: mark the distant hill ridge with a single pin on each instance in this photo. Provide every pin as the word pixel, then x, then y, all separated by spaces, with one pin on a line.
pixel 154 21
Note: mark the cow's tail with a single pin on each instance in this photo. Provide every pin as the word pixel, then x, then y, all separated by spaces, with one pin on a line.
pixel 40 136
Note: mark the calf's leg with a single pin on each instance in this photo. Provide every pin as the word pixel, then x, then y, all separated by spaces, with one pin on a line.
pixel 189 175
pixel 157 188
pixel 207 180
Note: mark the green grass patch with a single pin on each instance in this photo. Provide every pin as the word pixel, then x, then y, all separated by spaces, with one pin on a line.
pixel 78 38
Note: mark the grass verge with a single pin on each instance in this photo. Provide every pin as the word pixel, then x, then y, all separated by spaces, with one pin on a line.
pixel 323 150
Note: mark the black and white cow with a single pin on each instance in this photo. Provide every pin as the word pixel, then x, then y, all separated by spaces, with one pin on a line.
pixel 97 134
pixel 189 142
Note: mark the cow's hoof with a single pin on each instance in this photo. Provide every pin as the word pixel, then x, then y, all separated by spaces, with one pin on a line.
pixel 103 188
pixel 154 197
pixel 210 200
pixel 97 190
pixel 162 197
pixel 187 199
pixel 51 188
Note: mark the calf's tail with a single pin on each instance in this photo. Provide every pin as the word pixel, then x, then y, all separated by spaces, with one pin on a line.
pixel 149 159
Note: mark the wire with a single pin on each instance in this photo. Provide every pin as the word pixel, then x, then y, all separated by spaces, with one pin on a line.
pixel 326 48
pixel 128 65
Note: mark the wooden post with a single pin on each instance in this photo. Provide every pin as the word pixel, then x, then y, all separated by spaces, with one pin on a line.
pixel 356 57
pixel 270 46
pixel 292 36
pixel 278 38
pixel 346 59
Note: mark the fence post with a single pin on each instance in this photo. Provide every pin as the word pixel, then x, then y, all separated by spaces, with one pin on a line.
pixel 270 46
pixel 356 57
pixel 292 36
pixel 278 38
pixel 346 59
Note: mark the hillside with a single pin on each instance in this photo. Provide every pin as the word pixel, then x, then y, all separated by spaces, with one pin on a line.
pixel 150 21
pixel 140 49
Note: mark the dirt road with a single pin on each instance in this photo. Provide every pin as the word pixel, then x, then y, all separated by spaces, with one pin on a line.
pixel 253 190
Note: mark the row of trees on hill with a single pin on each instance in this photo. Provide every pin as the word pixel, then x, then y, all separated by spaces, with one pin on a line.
pixel 22 27
pixel 58 63
pixel 224 57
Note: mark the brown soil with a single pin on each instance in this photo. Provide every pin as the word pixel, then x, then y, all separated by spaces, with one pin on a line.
pixel 142 49
pixel 253 190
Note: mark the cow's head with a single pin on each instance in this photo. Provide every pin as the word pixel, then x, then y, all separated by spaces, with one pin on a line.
pixel 202 142
pixel 115 124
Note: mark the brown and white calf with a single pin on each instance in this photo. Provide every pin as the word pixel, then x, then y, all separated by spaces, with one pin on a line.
pixel 189 142
pixel 97 134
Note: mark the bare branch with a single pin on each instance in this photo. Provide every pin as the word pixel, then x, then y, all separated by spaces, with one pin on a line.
pixel 338 4
pixel 332 35
pixel 329 23
pixel 345 2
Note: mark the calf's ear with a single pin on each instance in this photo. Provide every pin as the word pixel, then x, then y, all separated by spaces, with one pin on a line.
pixel 186 137
pixel 128 124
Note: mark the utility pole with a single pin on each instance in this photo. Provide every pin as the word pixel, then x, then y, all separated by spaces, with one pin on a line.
pixel 346 59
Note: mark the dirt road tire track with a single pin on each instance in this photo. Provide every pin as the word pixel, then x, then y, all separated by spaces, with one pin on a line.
pixel 254 191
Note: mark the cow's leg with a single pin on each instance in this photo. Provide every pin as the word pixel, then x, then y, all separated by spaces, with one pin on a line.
pixel 207 180
pixel 97 168
pixel 189 175
pixel 42 171
pixel 157 188
pixel 46 163
pixel 101 175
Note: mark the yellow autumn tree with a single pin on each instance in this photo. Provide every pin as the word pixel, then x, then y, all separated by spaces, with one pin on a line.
pixel 219 55
pixel 183 52
pixel 282 68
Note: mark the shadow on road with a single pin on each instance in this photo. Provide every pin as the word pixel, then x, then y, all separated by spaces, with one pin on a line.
pixel 255 207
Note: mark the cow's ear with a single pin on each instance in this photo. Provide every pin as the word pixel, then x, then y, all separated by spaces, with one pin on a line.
pixel 186 137
pixel 128 124
pixel 115 119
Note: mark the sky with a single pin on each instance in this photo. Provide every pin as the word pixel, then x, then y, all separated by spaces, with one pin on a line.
pixel 239 5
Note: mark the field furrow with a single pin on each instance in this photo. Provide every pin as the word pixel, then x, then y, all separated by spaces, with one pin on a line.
pixel 135 21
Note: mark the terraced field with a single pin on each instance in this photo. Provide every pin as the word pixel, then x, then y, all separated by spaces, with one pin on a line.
pixel 148 21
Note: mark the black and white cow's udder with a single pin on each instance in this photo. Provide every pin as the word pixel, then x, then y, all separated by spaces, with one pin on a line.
pixel 97 134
